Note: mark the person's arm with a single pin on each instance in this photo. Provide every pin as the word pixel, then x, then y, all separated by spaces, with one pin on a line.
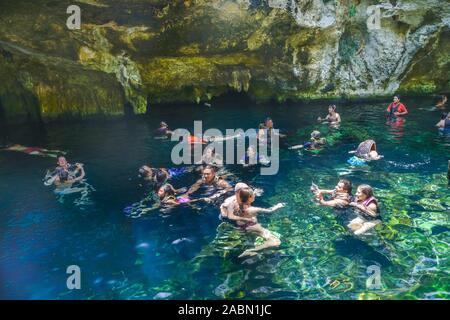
pixel 194 187
pixel 81 176
pixel 224 185
pixel 256 210
pixel 232 216
pixel 370 210
pixel 338 118
pixel 332 203
pixel 402 111
pixel 440 124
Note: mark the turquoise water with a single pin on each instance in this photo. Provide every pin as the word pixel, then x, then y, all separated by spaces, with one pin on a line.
pixel 42 233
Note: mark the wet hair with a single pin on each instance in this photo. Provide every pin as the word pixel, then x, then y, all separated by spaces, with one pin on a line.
pixel 347 185
pixel 245 194
pixel 366 190
pixel 163 124
pixel 143 171
pixel 161 176
pixel 444 115
pixel 210 167
pixel 332 106
pixel 397 95
pixel 168 189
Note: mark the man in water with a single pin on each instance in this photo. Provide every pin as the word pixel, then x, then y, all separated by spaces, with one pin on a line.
pixel 210 179
pixel 333 118
pixel 163 131
pixel 340 195
pixel 444 123
pixel 65 173
pixel 265 131
pixel 396 108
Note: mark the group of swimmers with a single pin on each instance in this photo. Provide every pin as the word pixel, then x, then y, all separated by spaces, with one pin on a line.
pixel 238 208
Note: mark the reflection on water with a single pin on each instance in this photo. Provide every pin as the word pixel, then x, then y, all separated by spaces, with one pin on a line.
pixel 190 253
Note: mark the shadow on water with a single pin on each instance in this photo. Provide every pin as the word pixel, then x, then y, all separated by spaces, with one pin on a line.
pixel 350 246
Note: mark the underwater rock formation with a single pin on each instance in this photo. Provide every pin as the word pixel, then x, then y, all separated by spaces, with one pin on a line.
pixel 133 54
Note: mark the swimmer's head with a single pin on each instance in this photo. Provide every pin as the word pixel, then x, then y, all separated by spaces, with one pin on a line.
pixel 444 115
pixel 61 160
pixel 145 171
pixel 239 186
pixel 162 124
pixel 344 185
pixel 210 152
pixel 251 151
pixel 364 192
pixel 396 98
pixel 208 174
pixel 166 190
pixel 161 176
pixel 246 196
pixel 268 122
pixel 315 134
pixel 332 108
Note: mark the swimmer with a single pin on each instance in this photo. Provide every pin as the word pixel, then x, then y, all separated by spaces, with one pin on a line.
pixel 163 131
pixel 34 151
pixel 230 205
pixel 211 157
pixel 396 108
pixel 333 118
pixel 210 179
pixel 65 174
pixel 367 205
pixel 442 102
pixel 240 209
pixel 251 157
pixel 340 195
pixel 159 176
pixel 265 131
pixel 166 195
pixel 367 150
pixel 315 143
pixel 444 123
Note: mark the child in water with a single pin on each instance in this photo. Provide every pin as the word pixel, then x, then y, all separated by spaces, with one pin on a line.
pixel 368 209
pixel 315 143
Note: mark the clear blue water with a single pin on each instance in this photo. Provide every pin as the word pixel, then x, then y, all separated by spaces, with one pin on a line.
pixel 122 258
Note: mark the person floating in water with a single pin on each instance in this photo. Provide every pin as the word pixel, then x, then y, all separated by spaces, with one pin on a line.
pixel 210 157
pixel 333 118
pixel 65 174
pixel 34 151
pixel 315 143
pixel 444 123
pixel 163 131
pixel 251 158
pixel 396 108
pixel 368 210
pixel 210 180
pixel 366 151
pixel 239 208
pixel 340 195
pixel 442 102
pixel 166 195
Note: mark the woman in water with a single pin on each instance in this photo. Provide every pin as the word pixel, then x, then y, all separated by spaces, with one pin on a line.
pixel 34 151
pixel 442 103
pixel 396 108
pixel 366 151
pixel 444 123
pixel 251 157
pixel 340 195
pixel 315 143
pixel 369 212
pixel 333 118
pixel 159 176
pixel 245 216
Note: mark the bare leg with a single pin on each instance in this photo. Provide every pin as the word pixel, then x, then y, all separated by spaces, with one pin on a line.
pixel 359 226
pixel 270 240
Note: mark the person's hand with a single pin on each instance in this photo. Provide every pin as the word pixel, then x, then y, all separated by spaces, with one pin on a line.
pixel 258 192
pixel 353 204
pixel 252 220
pixel 208 200
pixel 396 113
pixel 319 119
pixel 278 206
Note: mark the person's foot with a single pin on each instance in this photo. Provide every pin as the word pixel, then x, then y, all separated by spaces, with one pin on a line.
pixel 248 253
